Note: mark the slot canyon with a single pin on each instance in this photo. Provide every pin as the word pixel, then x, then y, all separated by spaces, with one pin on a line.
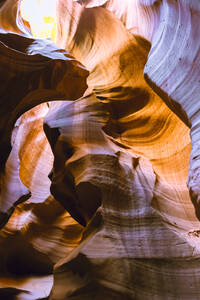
pixel 100 149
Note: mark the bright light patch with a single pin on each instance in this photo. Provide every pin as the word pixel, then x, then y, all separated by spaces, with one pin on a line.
pixel 40 14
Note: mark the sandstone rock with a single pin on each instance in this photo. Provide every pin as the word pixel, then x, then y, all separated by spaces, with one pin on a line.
pixel 119 154
pixel 38 72
pixel 173 70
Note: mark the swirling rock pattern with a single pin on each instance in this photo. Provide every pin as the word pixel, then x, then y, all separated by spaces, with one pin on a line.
pixel 173 71
pixel 117 157
pixel 102 174
pixel 44 71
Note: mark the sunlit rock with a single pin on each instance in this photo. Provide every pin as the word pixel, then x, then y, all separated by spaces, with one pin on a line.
pixel 32 72
pixel 109 215
pixel 173 72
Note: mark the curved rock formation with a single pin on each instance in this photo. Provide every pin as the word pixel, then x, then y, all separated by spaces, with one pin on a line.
pixel 135 122
pixel 119 160
pixel 173 71
pixel 126 238
pixel 38 72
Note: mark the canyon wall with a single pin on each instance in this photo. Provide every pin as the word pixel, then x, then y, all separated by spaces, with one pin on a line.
pixel 99 160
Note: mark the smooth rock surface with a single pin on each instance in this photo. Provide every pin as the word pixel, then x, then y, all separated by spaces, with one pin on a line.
pixel 32 72
pixel 110 215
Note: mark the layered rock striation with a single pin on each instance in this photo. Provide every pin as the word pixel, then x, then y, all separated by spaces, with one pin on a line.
pixel 94 201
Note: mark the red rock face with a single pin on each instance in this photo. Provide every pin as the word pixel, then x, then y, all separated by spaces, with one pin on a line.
pixel 95 150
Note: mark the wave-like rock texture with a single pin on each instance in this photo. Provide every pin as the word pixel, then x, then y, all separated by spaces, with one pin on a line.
pixel 40 231
pixel 173 71
pixel 126 243
pixel 32 72
pixel 99 151
pixel 119 222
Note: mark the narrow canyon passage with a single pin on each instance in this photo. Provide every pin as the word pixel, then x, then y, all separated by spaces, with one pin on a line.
pixel 99 162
